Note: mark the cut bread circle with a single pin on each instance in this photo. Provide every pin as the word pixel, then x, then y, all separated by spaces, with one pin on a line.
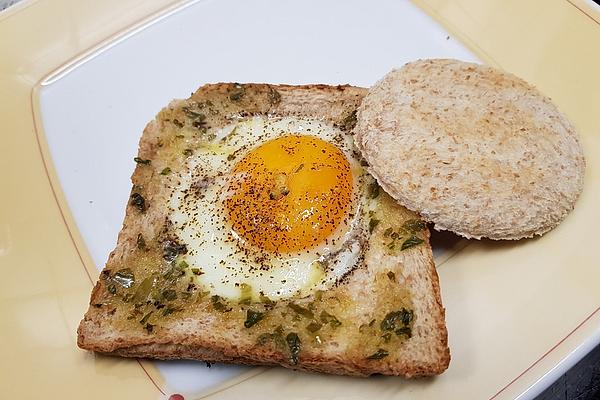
pixel 473 149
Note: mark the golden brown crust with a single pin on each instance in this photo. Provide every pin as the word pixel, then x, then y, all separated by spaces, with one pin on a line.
pixel 204 337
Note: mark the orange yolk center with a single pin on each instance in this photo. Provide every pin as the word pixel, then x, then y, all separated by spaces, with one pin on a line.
pixel 290 193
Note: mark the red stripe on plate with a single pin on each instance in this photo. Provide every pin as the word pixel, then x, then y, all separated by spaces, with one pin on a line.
pixel 545 354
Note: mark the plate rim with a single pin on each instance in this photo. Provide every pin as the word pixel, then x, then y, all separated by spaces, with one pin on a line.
pixel 168 8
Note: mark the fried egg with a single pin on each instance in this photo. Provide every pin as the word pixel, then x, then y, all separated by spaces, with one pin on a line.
pixel 271 207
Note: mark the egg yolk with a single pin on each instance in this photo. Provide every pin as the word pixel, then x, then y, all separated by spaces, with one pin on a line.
pixel 290 193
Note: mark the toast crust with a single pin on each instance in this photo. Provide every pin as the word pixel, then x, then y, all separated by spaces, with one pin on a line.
pixel 205 335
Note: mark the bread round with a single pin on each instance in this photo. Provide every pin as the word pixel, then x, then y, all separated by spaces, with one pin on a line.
pixel 473 149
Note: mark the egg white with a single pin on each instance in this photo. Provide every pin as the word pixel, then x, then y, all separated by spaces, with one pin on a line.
pixel 225 260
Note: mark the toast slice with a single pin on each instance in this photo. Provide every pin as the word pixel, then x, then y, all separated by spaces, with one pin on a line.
pixel 383 316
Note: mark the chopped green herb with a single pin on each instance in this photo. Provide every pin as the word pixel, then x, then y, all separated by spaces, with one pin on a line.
pixel 190 287
pixel 171 249
pixel 388 232
pixel 273 96
pixel 349 122
pixel 135 313
pixel 378 355
pixel 124 277
pixel 230 135
pixel 141 243
pixel 299 168
pixel 165 171
pixel 138 201
pixel 411 242
pixel 141 161
pixel 237 93
pixel 318 295
pixel 265 300
pixel 373 222
pixel 193 114
pixel 373 190
pixel 253 317
pixel 201 124
pixel 169 294
pixel 187 295
pixel 395 319
pixel 173 274
pixel 143 290
pixel 170 310
pixel 294 345
pixel 264 338
pixel 197 271
pixel 305 312
pixel 276 337
pixel 386 337
pixel 321 264
pixel 188 152
pixel 414 225
pixel 112 289
pixel 246 293
pixel 183 265
pixel 280 188
pixel 405 330
pixel 146 318
pixel 313 327
pixel 327 318
pixel 217 302
pixel 230 157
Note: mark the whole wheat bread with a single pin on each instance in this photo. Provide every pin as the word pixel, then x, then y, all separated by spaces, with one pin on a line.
pixel 384 317
pixel 471 148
